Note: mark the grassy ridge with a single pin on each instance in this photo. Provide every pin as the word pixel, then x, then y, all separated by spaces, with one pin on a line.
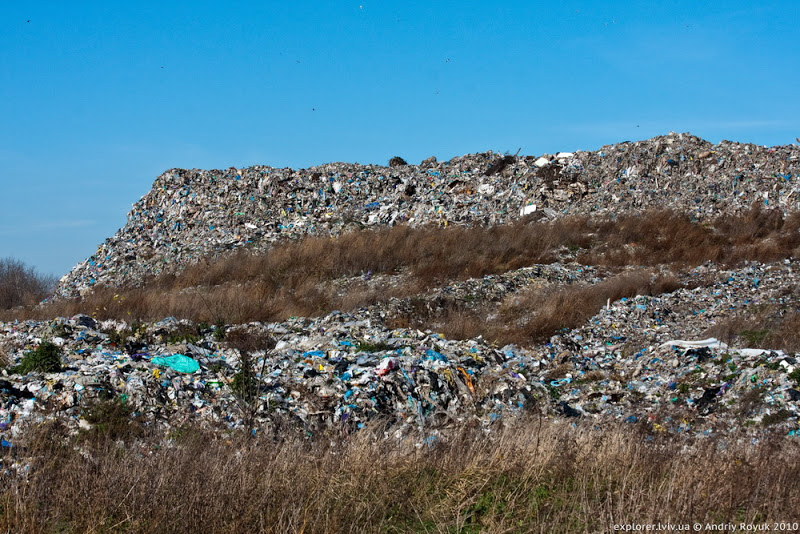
pixel 314 276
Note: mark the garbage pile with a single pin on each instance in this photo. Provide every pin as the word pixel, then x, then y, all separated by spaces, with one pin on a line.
pixel 332 372
pixel 652 353
pixel 661 362
pixel 189 214
pixel 645 360
pixel 650 359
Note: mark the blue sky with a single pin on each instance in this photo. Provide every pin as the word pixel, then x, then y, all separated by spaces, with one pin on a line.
pixel 98 98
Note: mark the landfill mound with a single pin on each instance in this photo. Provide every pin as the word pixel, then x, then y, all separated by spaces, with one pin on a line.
pixel 189 214
pixel 709 352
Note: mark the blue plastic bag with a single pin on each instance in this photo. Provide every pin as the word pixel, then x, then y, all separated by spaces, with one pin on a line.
pixel 178 362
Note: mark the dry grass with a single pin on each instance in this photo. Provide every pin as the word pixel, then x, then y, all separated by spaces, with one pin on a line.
pixel 296 278
pixel 533 314
pixel 772 327
pixel 668 238
pixel 536 475
pixel 293 278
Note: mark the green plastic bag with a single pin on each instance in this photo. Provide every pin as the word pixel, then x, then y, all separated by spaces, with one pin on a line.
pixel 178 362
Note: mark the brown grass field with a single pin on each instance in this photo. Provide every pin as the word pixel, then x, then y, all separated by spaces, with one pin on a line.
pixel 537 475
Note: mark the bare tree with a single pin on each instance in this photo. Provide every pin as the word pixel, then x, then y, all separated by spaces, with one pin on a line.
pixel 21 285
pixel 247 382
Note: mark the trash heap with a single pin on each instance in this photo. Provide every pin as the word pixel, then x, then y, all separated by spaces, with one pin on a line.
pixel 653 361
pixel 644 360
pixel 189 214
pixel 338 371
pixel 652 352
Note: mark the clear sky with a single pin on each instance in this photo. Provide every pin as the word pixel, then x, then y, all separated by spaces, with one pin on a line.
pixel 98 98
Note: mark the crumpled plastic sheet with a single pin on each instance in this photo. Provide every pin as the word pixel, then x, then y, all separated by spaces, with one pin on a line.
pixel 178 362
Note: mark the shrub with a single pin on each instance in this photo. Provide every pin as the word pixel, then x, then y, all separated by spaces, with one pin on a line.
pixel 112 419
pixel 246 383
pixel 184 334
pixel 795 375
pixel 219 330
pixel 45 359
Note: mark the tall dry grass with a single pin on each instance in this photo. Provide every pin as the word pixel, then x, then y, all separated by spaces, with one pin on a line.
pixel 534 476
pixel 669 238
pixel 536 313
pixel 773 327
pixel 532 314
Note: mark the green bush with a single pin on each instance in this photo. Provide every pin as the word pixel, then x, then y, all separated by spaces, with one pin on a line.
pixel 112 419
pixel 754 337
pixel 795 375
pixel 184 334
pixel 219 330
pixel 45 359
pixel 245 384
pixel 118 337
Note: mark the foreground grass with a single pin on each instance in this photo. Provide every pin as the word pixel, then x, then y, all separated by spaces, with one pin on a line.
pixel 537 475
